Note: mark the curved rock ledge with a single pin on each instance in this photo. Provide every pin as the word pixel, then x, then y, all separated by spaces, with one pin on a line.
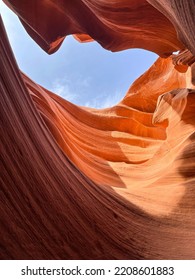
pixel 117 183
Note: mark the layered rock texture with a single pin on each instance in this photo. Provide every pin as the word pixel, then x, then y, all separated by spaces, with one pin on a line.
pixel 116 183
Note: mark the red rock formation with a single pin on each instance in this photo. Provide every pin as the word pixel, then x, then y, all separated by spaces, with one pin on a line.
pixel 182 15
pixel 116 25
pixel 117 183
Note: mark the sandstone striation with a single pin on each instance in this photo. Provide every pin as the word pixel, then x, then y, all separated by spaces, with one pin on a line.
pixel 116 183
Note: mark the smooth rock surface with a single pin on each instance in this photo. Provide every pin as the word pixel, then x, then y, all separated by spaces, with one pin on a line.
pixel 81 183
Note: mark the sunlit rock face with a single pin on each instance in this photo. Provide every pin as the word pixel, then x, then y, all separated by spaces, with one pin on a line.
pixel 117 183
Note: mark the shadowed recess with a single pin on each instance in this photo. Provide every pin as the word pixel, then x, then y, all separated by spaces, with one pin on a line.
pixel 115 183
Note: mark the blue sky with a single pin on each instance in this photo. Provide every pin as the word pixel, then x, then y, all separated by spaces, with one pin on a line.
pixel 84 74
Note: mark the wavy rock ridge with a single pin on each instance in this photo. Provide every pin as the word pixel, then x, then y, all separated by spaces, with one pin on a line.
pixel 117 183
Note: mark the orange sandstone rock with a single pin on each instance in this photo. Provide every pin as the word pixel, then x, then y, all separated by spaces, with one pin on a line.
pixel 117 183
pixel 182 15
pixel 116 25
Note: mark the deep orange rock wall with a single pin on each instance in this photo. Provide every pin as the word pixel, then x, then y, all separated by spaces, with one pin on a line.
pixel 117 183
pixel 116 25
pixel 182 14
